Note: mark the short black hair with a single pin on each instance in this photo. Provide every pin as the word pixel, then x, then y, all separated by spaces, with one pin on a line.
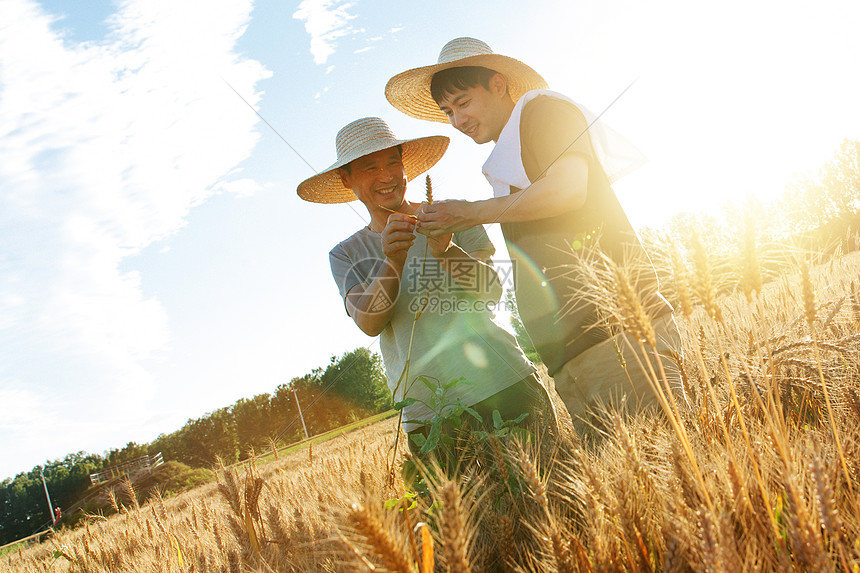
pixel 348 166
pixel 444 83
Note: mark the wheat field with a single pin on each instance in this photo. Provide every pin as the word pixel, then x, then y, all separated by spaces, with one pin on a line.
pixel 757 469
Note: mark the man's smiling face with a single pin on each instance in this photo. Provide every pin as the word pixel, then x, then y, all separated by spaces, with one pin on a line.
pixel 479 112
pixel 377 179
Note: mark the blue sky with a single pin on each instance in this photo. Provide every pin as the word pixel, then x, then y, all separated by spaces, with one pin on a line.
pixel 156 263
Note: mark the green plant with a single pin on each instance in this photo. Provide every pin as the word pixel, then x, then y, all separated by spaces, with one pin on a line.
pixel 504 428
pixel 447 413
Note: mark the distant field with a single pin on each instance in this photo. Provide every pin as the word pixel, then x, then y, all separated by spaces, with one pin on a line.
pixel 326 436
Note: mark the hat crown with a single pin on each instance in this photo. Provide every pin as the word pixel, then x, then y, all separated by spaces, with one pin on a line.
pixel 355 138
pixel 460 48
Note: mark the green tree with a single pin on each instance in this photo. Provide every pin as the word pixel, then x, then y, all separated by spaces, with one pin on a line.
pixel 199 442
pixel 351 386
pixel 23 507
pixel 22 512
pixel 320 415
pixel 285 414
pixel 215 436
pixel 254 424
pixel 826 209
pixel 130 452
pixel 358 379
pixel 170 446
pixel 841 181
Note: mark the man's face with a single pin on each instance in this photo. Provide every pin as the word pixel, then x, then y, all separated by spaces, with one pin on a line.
pixel 377 179
pixel 478 112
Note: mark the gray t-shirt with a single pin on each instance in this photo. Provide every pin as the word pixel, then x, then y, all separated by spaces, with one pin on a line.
pixel 455 336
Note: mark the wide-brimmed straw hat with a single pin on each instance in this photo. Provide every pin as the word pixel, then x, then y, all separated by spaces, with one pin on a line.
pixel 363 137
pixel 410 91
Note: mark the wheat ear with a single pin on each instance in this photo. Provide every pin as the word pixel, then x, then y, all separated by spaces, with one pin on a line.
pixel 561 552
pixel 367 523
pixel 751 278
pixel 454 526
pixel 705 289
pixel 810 313
pixel 681 280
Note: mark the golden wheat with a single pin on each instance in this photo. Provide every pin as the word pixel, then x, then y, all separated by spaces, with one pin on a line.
pixel 645 496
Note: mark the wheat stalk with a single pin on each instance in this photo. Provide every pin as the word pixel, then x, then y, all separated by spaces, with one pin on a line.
pixel 751 277
pixel 609 287
pixel 454 528
pixel 804 535
pixel 707 294
pixel 529 469
pixel 810 314
pixel 704 285
pixel 427 562
pixel 680 279
pixel 274 447
pixel 366 521
pixel 404 377
pixel 428 189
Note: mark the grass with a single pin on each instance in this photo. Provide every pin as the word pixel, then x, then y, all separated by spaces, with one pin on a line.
pixel 13 548
pixel 757 473
pixel 326 436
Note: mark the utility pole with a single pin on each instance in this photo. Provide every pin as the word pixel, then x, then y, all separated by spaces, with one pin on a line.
pixel 300 414
pixel 50 507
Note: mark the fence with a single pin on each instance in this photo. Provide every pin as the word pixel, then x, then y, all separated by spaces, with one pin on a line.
pixel 27 541
pixel 130 467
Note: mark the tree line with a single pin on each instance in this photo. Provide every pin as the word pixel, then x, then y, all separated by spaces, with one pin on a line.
pixel 350 387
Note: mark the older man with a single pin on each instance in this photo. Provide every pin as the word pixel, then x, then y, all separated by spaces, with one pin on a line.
pixel 429 299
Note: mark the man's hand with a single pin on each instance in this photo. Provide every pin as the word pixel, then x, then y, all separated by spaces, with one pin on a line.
pixel 562 189
pixel 439 245
pixel 445 217
pixel 397 236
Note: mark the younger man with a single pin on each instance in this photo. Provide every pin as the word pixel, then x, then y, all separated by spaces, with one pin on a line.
pixel 551 170
pixel 384 279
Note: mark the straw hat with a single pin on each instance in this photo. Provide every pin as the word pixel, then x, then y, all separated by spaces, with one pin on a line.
pixel 410 91
pixel 363 137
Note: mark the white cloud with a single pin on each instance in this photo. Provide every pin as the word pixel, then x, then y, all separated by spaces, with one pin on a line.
pixel 362 50
pixel 325 21
pixel 241 187
pixel 107 146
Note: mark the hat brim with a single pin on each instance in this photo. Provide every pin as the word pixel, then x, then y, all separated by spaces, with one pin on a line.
pixel 409 91
pixel 419 155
